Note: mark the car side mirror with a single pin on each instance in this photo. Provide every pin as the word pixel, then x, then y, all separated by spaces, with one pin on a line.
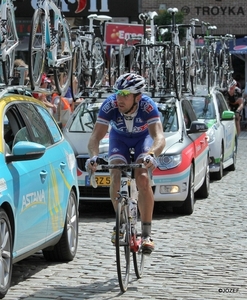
pixel 227 115
pixel 25 150
pixel 196 127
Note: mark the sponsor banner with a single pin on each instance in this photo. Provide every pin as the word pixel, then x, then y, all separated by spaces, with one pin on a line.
pixel 118 33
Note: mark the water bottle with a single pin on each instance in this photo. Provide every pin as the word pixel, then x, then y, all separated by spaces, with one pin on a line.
pixel 133 211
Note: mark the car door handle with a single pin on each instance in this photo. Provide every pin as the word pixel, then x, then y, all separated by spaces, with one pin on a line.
pixel 62 166
pixel 43 175
pixel 202 142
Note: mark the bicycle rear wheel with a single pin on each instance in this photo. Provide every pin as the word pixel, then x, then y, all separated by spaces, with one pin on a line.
pixel 36 57
pixel 122 243
pixel 63 69
pixel 8 64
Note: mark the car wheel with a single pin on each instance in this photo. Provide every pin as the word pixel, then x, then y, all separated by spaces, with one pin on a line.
pixel 232 167
pixel 188 205
pixel 65 249
pixel 6 242
pixel 218 175
pixel 203 191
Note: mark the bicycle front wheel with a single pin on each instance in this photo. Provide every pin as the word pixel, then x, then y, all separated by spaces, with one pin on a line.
pixel 113 68
pixel 122 244
pixel 121 60
pixel 98 62
pixel 138 257
pixel 78 84
pixel 177 72
pixel 36 57
pixel 63 69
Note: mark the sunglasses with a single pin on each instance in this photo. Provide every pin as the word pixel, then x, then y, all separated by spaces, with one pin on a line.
pixel 122 92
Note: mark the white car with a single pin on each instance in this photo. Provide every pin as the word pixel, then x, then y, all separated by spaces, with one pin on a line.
pixel 212 109
pixel 182 170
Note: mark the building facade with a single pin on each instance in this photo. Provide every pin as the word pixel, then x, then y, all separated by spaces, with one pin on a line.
pixel 230 16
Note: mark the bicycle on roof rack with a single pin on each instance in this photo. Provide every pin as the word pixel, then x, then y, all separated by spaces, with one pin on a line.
pixel 173 65
pixel 88 57
pixel 9 40
pixel 50 46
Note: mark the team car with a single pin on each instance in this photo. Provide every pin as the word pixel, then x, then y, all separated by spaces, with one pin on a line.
pixel 39 195
pixel 182 167
pixel 212 109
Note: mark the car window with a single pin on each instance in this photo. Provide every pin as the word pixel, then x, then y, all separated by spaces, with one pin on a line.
pixel 36 127
pixel 221 102
pixel 51 125
pixel 85 118
pixel 168 116
pixel 203 107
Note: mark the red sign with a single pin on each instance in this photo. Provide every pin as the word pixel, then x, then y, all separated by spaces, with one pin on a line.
pixel 118 33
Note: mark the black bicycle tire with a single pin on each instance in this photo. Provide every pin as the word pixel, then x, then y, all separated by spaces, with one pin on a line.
pixel 132 62
pixel 138 257
pixel 122 270
pixel 97 76
pixel 113 67
pixel 177 79
pixel 39 60
pixel 186 67
pixel 77 79
pixel 121 60
pixel 65 68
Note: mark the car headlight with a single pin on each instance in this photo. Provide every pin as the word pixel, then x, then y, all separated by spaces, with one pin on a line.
pixel 169 161
pixel 211 135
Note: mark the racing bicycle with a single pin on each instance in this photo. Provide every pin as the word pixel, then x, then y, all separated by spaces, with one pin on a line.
pixel 88 57
pixel 9 40
pixel 50 46
pixel 128 228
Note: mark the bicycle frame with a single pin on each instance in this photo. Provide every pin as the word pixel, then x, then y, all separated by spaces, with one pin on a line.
pixel 51 38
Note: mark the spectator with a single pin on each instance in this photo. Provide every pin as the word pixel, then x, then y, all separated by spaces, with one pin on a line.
pixel 20 73
pixel 45 81
pixel 235 101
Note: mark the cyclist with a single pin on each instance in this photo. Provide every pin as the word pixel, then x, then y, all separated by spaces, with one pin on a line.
pixel 235 101
pixel 135 123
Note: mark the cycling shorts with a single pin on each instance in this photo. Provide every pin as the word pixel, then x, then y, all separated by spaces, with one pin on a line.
pixel 119 146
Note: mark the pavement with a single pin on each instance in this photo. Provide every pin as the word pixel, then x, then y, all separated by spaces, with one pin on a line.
pixel 201 256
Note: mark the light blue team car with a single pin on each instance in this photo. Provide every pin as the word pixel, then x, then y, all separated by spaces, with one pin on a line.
pixel 38 186
pixel 212 108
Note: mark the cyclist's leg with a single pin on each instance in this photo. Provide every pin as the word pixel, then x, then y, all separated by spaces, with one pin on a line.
pixel 145 195
pixel 118 154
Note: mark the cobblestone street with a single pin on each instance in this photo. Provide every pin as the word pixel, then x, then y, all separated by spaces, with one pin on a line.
pixel 202 256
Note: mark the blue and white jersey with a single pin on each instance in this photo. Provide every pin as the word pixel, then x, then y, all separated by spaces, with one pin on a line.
pixel 147 113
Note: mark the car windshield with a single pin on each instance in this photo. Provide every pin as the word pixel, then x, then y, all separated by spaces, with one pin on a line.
pixel 168 116
pixel 86 117
pixel 203 107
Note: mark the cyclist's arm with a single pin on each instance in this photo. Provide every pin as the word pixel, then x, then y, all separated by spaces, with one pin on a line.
pixel 156 132
pixel 98 134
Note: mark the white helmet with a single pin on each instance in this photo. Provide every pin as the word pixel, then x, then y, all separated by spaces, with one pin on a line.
pixel 130 82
